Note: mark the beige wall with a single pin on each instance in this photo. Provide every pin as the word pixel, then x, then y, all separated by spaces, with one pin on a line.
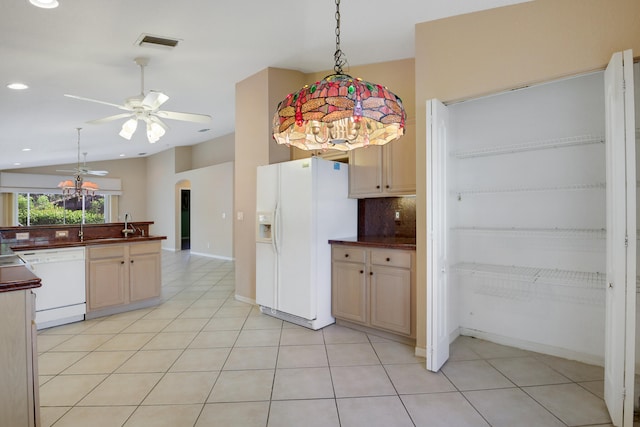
pixel 256 99
pixel 213 152
pixel 490 51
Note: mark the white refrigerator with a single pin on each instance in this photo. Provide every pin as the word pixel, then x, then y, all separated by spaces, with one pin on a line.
pixel 301 205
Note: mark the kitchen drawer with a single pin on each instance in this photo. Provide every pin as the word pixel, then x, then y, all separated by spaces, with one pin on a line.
pixel 391 258
pixel 106 251
pixel 348 254
pixel 144 248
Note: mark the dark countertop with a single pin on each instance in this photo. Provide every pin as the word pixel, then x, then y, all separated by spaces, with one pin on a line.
pixel 407 243
pixel 16 278
pixel 33 244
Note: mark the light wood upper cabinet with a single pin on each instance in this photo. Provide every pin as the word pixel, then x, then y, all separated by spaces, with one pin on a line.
pixel 383 171
pixel 120 275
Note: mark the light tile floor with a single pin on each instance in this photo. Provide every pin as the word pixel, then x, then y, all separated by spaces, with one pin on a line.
pixel 204 359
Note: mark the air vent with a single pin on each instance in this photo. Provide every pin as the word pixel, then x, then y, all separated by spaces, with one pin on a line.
pixel 147 40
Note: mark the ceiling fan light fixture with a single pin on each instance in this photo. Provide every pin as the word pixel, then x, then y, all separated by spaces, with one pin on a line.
pixel 154 131
pixel 128 128
pixel 45 4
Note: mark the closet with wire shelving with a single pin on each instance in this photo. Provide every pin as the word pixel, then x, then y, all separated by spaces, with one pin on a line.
pixel 525 201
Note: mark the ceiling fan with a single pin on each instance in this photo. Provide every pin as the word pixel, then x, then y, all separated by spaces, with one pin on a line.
pixel 82 169
pixel 146 108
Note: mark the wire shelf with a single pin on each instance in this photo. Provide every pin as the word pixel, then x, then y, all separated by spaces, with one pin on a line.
pixel 572 187
pixel 529 146
pixel 562 233
pixel 526 283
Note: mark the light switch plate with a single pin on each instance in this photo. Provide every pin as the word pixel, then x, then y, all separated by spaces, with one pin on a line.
pixel 397 216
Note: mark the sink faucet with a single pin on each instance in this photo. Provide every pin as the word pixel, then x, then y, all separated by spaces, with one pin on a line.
pixel 128 230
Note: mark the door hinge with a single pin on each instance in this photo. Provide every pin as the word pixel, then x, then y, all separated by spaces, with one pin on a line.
pixel 626 240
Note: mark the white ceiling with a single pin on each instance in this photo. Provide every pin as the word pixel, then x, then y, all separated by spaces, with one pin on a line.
pixel 87 47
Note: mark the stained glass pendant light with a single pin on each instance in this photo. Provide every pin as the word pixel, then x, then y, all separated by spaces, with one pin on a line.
pixel 339 112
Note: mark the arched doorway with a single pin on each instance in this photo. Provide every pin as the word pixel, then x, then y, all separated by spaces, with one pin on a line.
pixel 183 215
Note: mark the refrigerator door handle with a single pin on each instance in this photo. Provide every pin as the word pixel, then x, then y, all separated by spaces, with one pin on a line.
pixel 276 229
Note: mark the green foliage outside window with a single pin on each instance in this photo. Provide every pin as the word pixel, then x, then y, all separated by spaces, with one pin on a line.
pixel 50 209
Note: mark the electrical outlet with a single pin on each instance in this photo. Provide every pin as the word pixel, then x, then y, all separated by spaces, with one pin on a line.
pixel 22 236
pixel 397 216
pixel 62 234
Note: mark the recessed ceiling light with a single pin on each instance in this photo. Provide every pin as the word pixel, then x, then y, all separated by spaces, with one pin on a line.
pixel 17 164
pixel 122 155
pixel 17 86
pixel 26 149
pixel 45 4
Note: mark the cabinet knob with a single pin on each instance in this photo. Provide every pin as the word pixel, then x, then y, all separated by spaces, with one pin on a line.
pixel 131 261
pixel 121 262
pixel 388 186
pixel 371 273
pixel 388 259
pixel 346 255
pixel 361 271
pixel 377 186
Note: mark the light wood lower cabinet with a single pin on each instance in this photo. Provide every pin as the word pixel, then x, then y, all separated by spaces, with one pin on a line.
pixel 19 390
pixel 374 288
pixel 122 274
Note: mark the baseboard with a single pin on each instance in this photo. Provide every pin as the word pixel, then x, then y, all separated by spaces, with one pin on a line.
pixel 244 299
pixel 151 302
pixel 533 346
pixel 226 258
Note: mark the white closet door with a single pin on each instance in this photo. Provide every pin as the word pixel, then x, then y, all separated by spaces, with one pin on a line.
pixel 621 239
pixel 437 230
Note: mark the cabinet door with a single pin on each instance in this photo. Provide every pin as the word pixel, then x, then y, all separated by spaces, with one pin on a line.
pixel 106 283
pixel 391 299
pixel 349 292
pixel 144 277
pixel 365 171
pixel 400 166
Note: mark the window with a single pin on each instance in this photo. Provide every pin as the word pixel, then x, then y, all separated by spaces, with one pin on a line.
pixel 51 208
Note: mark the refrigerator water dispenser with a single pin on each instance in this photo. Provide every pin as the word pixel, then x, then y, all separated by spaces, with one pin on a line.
pixel 264 226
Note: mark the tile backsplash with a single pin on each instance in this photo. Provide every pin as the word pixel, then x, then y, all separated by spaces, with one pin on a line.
pixel 377 217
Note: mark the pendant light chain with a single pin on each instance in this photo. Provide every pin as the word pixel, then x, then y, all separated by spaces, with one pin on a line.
pixel 338 56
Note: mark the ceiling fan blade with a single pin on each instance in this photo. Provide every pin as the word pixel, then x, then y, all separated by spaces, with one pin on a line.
pixel 81 98
pixel 97 173
pixel 154 100
pixel 74 171
pixel 187 117
pixel 109 119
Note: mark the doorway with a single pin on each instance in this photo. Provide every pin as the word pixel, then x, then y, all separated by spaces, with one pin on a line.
pixel 185 219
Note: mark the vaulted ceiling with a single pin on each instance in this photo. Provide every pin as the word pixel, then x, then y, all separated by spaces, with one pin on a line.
pixel 87 48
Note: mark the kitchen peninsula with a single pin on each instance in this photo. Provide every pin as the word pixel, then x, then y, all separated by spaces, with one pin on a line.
pixel 113 270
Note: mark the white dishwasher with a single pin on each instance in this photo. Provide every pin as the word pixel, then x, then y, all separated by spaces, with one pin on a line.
pixel 62 297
